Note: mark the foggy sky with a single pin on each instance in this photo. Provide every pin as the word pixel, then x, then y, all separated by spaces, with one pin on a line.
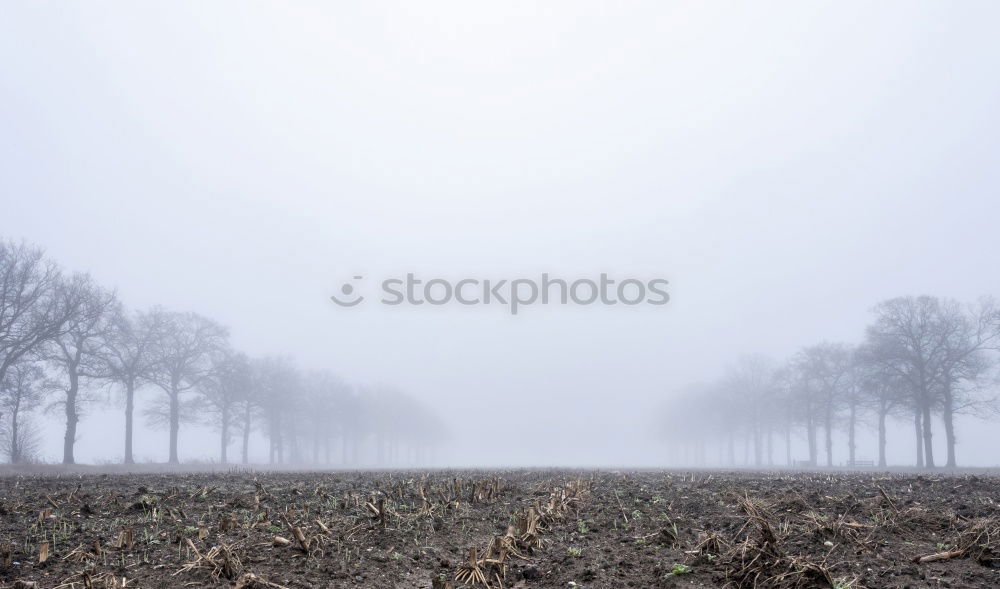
pixel 785 167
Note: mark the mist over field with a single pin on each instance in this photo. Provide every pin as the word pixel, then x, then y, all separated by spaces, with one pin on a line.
pixel 784 173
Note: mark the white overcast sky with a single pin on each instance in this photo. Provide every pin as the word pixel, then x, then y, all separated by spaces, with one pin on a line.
pixel 786 165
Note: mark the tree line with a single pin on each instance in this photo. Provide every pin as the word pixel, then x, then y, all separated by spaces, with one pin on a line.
pixel 64 339
pixel 922 361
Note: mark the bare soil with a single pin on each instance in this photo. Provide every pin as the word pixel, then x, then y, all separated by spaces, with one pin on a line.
pixel 524 528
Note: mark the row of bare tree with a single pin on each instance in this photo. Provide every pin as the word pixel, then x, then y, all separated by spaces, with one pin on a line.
pixel 923 360
pixel 64 339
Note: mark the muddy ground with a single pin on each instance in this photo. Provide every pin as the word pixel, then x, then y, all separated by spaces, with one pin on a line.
pixel 529 529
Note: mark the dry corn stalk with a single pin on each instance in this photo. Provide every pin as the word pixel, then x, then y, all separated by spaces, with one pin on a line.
pixel 79 554
pixel 322 527
pixel 471 571
pixel 529 526
pixel 304 542
pixel 377 509
pixel 227 523
pixel 426 506
pixel 219 561
pixel 126 539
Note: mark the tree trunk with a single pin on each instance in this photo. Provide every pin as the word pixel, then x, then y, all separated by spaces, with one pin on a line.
pixel 851 446
pixel 272 440
pixel 918 430
pixel 274 433
pixel 828 426
pixel 279 440
pixel 788 446
pixel 811 434
pixel 15 439
pixel 948 415
pixel 246 434
pixel 757 442
pixel 175 423
pixel 881 438
pixel 225 436
pixel 129 416
pixel 72 417
pixel 928 435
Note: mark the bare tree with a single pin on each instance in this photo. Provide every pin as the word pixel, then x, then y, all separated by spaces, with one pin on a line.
pixel 937 348
pixel 854 398
pixel 34 307
pixel 75 353
pixel 128 360
pixel 229 382
pixel 182 352
pixel 786 381
pixel 826 369
pixel 79 331
pixel 752 381
pixel 322 392
pixel 803 402
pixel 967 335
pixel 20 391
pixel 248 406
pixel 882 392
pixel 923 357
pixel 278 385
pixel 906 340
pixel 342 404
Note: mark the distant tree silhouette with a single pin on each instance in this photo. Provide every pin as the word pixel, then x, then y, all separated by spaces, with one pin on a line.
pixel 183 353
